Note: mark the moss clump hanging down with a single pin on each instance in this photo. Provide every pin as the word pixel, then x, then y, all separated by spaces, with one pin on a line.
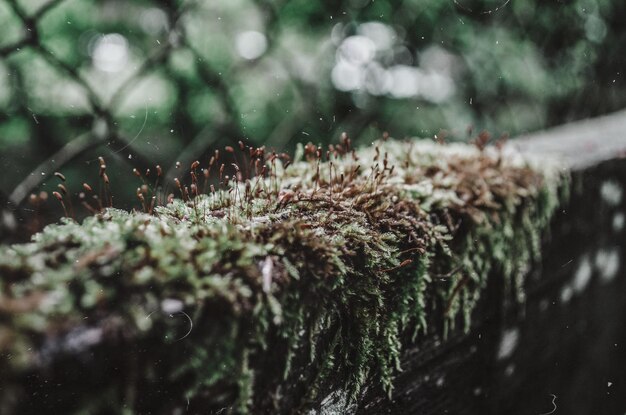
pixel 254 295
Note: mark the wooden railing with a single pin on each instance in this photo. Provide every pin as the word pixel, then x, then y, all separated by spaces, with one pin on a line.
pixel 564 351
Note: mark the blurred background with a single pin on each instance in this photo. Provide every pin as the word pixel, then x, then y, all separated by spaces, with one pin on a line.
pixel 154 82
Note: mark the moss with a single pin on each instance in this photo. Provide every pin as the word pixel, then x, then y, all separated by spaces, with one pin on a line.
pixel 257 294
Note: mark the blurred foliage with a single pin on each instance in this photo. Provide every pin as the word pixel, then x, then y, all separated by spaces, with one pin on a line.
pixel 150 81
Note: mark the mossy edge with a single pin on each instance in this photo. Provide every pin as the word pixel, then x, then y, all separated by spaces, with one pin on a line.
pixel 315 277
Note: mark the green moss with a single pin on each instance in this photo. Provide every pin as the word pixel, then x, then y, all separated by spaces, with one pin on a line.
pixel 258 294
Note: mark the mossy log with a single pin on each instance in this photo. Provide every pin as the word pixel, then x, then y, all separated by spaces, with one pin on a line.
pixel 287 292
pixel 563 349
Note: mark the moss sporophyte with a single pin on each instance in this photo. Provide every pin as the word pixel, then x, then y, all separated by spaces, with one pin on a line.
pixel 261 281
